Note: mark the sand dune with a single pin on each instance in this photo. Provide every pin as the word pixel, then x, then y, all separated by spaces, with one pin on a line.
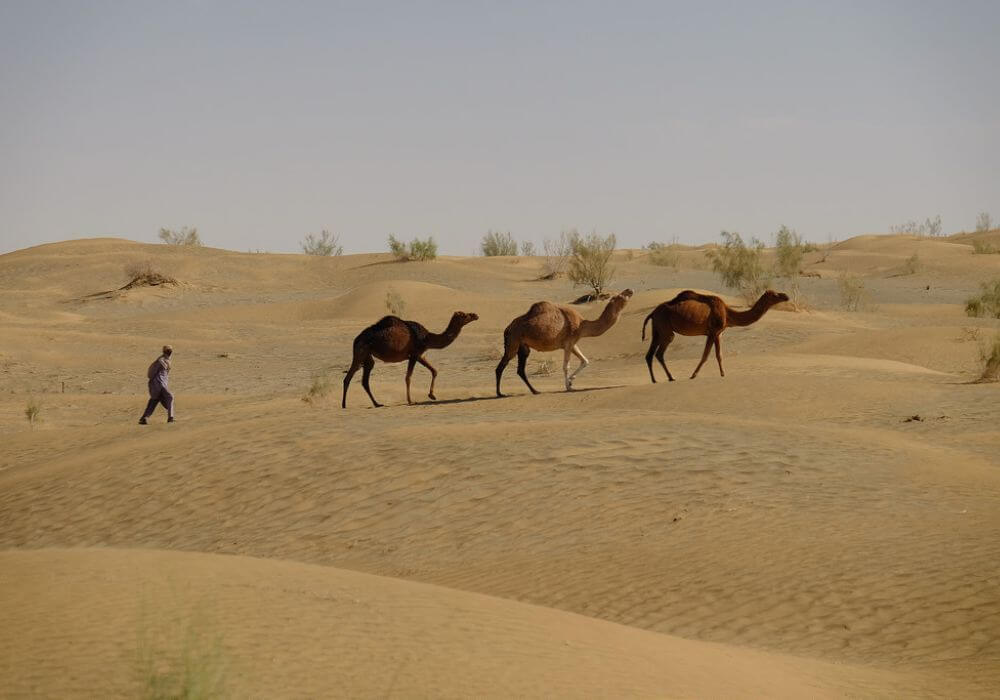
pixel 782 531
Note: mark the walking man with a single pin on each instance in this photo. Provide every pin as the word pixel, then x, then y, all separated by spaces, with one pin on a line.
pixel 158 392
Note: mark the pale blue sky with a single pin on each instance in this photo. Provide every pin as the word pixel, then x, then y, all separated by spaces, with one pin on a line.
pixel 261 122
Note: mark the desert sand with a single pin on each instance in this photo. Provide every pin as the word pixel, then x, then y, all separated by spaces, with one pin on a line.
pixel 783 531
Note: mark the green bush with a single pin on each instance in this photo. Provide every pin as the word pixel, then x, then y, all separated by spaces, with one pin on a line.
pixel 416 250
pixel 325 244
pixel 987 303
pixel 495 243
pixel 590 261
pixel 789 251
pixel 984 248
pixel 186 236
pixel 740 266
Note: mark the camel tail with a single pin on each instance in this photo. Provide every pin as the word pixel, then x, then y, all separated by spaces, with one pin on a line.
pixel 644 324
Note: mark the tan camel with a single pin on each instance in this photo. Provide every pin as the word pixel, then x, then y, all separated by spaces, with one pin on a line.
pixel 547 327
pixel 393 340
pixel 691 313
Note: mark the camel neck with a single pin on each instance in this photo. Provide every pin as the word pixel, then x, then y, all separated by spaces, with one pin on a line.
pixel 600 325
pixel 747 316
pixel 446 338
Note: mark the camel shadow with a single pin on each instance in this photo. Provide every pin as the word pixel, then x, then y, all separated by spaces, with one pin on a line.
pixel 473 399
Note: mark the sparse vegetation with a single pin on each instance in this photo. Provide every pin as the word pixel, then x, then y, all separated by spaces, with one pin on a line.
pixel 325 243
pixel 527 248
pixel 663 254
pixel 740 266
pixel 853 295
pixel 930 227
pixel 321 385
pixel 33 411
pixel 557 252
pixel 417 249
pixel 989 358
pixel 788 253
pixel 394 302
pixel 590 261
pixel 987 303
pixel 912 265
pixel 175 664
pixel 984 248
pixel 495 243
pixel 808 247
pixel 186 236
pixel 543 368
pixel 984 222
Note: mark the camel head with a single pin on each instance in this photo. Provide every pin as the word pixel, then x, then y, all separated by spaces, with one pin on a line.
pixel 771 297
pixel 463 318
pixel 619 300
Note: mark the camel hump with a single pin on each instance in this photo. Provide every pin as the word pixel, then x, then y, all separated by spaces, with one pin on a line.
pixel 539 307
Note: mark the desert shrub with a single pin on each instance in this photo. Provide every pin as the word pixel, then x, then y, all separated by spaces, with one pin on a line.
pixel 663 254
pixel 740 266
pixel 495 243
pixel 989 358
pixel 590 261
pixel 984 222
pixel 394 302
pixel 930 227
pixel 788 253
pixel 321 385
pixel 808 247
pixel 557 252
pixel 527 248
pixel 543 368
pixel 325 243
pixel 912 265
pixel 140 269
pixel 984 248
pixel 417 249
pixel 33 411
pixel 853 295
pixel 186 236
pixel 987 303
pixel 180 659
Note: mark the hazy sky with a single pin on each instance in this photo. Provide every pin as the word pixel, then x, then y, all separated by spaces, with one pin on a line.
pixel 261 122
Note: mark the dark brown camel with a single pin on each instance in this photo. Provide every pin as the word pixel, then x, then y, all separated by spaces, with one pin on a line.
pixel 691 313
pixel 393 340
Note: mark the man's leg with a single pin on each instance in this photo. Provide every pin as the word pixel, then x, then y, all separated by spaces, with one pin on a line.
pixel 167 399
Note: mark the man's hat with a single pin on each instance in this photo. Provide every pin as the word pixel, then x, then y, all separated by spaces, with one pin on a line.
pixel 166 349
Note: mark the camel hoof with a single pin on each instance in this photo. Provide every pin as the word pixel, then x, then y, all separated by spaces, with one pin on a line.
pixel 432 397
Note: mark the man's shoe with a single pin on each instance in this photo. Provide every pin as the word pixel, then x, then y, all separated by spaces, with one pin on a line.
pixel 142 421
pixel 170 419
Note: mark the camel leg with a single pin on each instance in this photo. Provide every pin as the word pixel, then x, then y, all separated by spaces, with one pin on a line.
pixel 508 355
pixel 522 361
pixel 347 380
pixel 654 342
pixel 704 356
pixel 366 373
pixel 660 352
pixel 583 363
pixel 409 373
pixel 434 373
pixel 718 355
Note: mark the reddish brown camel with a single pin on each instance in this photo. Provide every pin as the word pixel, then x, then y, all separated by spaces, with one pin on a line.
pixel 393 340
pixel 548 327
pixel 691 313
